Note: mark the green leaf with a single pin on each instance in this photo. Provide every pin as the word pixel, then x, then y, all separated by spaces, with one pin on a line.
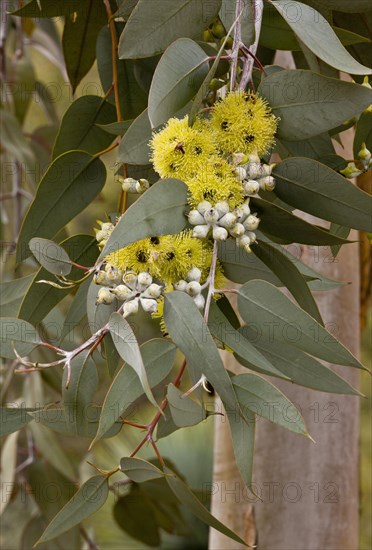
pixel 348 7
pixel 189 500
pixel 184 411
pixel 37 8
pixel 259 396
pixel 135 514
pixel 315 188
pixel 247 19
pixel 80 128
pixel 190 333
pixel 17 334
pixel 139 470
pixel 70 184
pixel 363 133
pixel 13 140
pixel 290 276
pixel 243 434
pixel 90 497
pixel 279 223
pixel 300 367
pixel 8 464
pixel 79 38
pixel 158 357
pixel 164 24
pixel 41 298
pixel 77 310
pixel 11 295
pixel 309 104
pixel 134 147
pixel 116 128
pixel 315 147
pixel 111 355
pixel 13 419
pixel 98 314
pixel 51 256
pixel 177 77
pixel 221 328
pixel 166 425
pixel 286 322
pixel 128 348
pixel 319 36
pixel 159 211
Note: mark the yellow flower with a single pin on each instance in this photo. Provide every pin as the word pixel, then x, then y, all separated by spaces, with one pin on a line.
pixel 242 122
pixel 140 256
pixel 182 254
pixel 178 150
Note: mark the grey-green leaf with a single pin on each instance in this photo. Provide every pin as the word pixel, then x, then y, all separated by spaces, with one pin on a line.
pixel 139 470
pixel 51 256
pixel 134 147
pixel 243 434
pixel 184 410
pixel 17 334
pixel 13 419
pixel 11 295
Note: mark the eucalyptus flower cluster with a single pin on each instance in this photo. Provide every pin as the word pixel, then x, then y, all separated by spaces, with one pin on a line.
pixel 103 233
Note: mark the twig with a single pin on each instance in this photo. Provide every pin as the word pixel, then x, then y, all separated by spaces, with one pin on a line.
pixel 248 65
pixel 236 44
pixel 114 49
pixel 92 545
pixel 211 289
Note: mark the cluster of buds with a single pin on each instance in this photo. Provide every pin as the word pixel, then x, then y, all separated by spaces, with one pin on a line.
pixel 253 174
pixel 103 233
pixel 364 156
pixel 191 285
pixel 131 288
pixel 239 224
pixel 130 185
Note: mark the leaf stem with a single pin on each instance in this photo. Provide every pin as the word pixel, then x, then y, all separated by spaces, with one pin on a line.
pixel 114 51
pixel 211 277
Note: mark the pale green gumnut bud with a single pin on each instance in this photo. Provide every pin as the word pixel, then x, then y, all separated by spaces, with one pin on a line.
pixel 204 206
pixel 242 211
pixel 200 301
pixel 220 233
pixel 243 241
pixel 252 222
pixel 130 307
pixel 129 185
pixel 267 183
pixel 211 215
pixel 227 221
pixel 238 158
pixel 195 218
pixel 107 227
pixel 364 154
pixel 351 171
pixel 238 230
pixel 252 236
pixel 266 169
pixel 180 285
pixel 222 208
pixel 241 173
pixel 142 185
pixel 194 274
pixel 144 280
pixel 122 292
pixel 153 291
pixel 114 275
pixel 100 235
pixel 100 278
pixel 253 157
pixel 149 305
pixel 251 187
pixel 130 279
pixel 193 288
pixel 105 296
pixel 200 231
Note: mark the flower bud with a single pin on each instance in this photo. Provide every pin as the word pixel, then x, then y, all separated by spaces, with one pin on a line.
pixel 194 274
pixel 252 222
pixel 180 285
pixel 105 296
pixel 238 158
pixel 130 279
pixel 238 230
pixel 100 278
pixel 243 241
pixel 267 183
pixel 218 30
pixel 200 231
pixel 227 221
pixel 200 301
pixel 241 173
pixel 144 280
pixel 211 215
pixel 222 208
pixel 364 154
pixel 251 187
pixel 129 185
pixel 100 235
pixel 351 171
pixel 253 169
pixel 266 169
pixel 149 305
pixel 130 307
pixel 204 206
pixel 252 236
pixel 122 293
pixel 241 212
pixel 153 291
pixel 113 275
pixel 216 84
pixel 253 157
pixel 195 218
pixel 220 233
pixel 193 288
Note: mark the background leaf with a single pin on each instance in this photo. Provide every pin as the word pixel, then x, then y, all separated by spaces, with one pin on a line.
pixel 18 334
pixel 139 470
pixel 184 410
pixel 51 256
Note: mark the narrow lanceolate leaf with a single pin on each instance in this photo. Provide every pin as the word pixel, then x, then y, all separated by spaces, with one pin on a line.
pixel 243 435
pixel 139 470
pixel 178 76
pixel 19 335
pixel 300 367
pixel 134 147
pixel 190 333
pixel 275 314
pixel 159 211
pixel 11 295
pixel 77 310
pixel 184 410
pixel 80 127
pixel 128 348
pixel 189 500
pixel 158 357
pixel 71 183
pixel 309 104
pixel 313 187
pixel 13 419
pixel 259 396
pixel 363 133
pixel 290 276
pixel 90 497
pixel 222 329
pixel 319 37
pixel 164 24
pixel 51 256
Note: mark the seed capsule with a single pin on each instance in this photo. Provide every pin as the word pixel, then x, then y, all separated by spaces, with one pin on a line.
pixel 220 233
pixel 180 285
pixel 114 275
pixel 243 241
pixel 142 185
pixel 204 206
pixel 195 218
pixel 267 183
pixel 238 230
pixel 211 215
pixel 129 185
pixel 200 231
pixel 105 296
pixel 153 291
pixel 252 222
pixel 251 187
pixel 227 221
pixel 193 288
pixel 200 301
pixel 194 274
pixel 130 279
pixel 130 307
pixel 149 305
pixel 241 173
pixel 122 292
pixel 222 208
pixel 100 278
pixel 144 280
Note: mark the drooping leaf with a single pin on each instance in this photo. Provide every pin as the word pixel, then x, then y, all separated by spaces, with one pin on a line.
pixel 316 147
pixel 134 147
pixel 159 211
pixel 51 256
pixel 184 410
pixel 309 104
pixel 8 464
pixel 135 514
pixel 98 314
pixel 73 180
pixel 139 470
pixel 116 128
pixel 80 128
pixel 13 419
pixel 363 133
pixel 90 497
pixel 319 190
pixel 243 435
pixel 158 357
pixel 177 77
pixel 77 310
pixel 11 295
pixel 19 335
pixel 164 24
pixel 272 311
pixel 35 8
